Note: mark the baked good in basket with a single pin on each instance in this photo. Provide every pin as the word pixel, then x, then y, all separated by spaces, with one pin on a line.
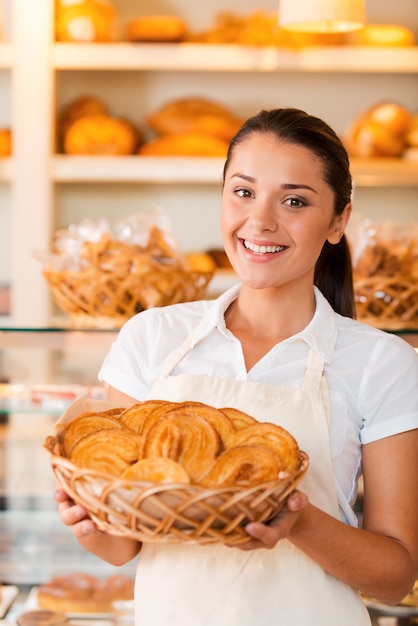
pixel 194 474
pixel 112 280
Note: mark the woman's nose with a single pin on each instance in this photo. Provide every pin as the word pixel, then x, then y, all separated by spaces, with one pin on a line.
pixel 263 216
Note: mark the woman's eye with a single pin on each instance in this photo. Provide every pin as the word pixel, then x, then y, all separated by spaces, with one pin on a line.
pixel 295 202
pixel 244 193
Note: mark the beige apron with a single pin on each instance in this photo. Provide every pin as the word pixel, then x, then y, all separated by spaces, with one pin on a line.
pixel 188 585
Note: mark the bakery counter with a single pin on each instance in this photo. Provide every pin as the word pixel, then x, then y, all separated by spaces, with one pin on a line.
pixel 22 603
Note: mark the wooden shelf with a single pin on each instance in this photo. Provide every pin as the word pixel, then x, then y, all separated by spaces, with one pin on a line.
pixel 230 57
pixel 207 170
pixel 6 56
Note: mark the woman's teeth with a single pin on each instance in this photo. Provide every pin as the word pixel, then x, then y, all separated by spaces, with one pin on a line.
pixel 262 249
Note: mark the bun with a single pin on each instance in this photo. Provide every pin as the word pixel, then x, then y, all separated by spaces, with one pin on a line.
pixel 157 28
pixel 82 593
pixel 81 107
pixel 185 144
pixel 195 115
pixel 101 134
pixel 381 35
pixel 5 142
pixel 41 618
pixel 381 131
pixel 87 21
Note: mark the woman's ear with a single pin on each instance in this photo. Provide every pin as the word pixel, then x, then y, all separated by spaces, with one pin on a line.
pixel 339 224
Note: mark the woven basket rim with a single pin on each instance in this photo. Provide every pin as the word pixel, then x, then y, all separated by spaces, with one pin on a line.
pixel 143 492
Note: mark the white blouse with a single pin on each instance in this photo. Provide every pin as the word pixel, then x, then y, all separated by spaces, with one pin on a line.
pixel 372 375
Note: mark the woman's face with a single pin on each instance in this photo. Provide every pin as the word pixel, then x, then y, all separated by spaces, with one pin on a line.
pixel 277 212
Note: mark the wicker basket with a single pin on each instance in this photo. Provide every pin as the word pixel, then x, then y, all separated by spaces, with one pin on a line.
pixel 171 513
pixel 113 280
pixel 391 303
pixel 108 299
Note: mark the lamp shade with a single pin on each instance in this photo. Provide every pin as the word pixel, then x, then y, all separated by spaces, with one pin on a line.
pixel 322 16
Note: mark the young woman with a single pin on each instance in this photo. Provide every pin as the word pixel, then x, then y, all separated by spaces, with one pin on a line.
pixel 282 346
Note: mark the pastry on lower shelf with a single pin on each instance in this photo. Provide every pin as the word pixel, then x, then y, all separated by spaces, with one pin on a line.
pixel 83 593
pixel 192 144
pixel 80 107
pixel 101 135
pixel 42 617
pixel 195 114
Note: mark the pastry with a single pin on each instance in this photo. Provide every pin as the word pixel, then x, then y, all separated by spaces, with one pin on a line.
pixel 5 142
pixel 157 29
pixel 101 135
pixel 41 617
pixel 381 35
pixel 88 21
pixel 83 593
pixel 199 115
pixel 158 470
pixel 178 442
pixel 109 451
pixel 243 466
pixel 271 436
pixel 238 418
pixel 85 425
pixel 193 144
pixel 191 441
pixel 380 131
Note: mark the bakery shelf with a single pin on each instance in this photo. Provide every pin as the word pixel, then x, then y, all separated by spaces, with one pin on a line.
pixel 230 57
pixel 204 170
pixel 6 170
pixel 73 169
pixel 6 56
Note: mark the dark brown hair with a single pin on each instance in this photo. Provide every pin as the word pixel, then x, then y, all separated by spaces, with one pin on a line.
pixel 333 269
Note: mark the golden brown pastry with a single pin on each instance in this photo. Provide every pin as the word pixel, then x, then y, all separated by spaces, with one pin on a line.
pixel 178 442
pixel 238 418
pixel 158 470
pixel 381 131
pixel 83 593
pixel 192 144
pixel 243 465
pixel 5 142
pixel 41 617
pixel 189 440
pixel 157 29
pixel 200 262
pixel 87 424
pixel 109 451
pixel 80 107
pixel 271 436
pixel 101 135
pixel 199 115
pixel 381 35
pixel 89 21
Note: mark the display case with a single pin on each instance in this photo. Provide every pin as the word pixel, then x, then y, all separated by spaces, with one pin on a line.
pixel 41 190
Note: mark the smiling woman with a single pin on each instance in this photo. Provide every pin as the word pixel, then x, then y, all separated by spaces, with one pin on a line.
pixel 283 347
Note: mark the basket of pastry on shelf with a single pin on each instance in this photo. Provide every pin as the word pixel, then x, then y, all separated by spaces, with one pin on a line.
pixel 101 276
pixel 385 264
pixel 160 471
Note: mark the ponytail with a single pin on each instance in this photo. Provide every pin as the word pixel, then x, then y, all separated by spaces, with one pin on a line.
pixel 334 277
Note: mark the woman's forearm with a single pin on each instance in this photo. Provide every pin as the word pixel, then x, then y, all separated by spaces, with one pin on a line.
pixel 377 565
pixel 114 550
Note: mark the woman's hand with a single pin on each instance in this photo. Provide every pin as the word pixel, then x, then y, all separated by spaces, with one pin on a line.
pixel 73 515
pixel 267 535
pixel 113 549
